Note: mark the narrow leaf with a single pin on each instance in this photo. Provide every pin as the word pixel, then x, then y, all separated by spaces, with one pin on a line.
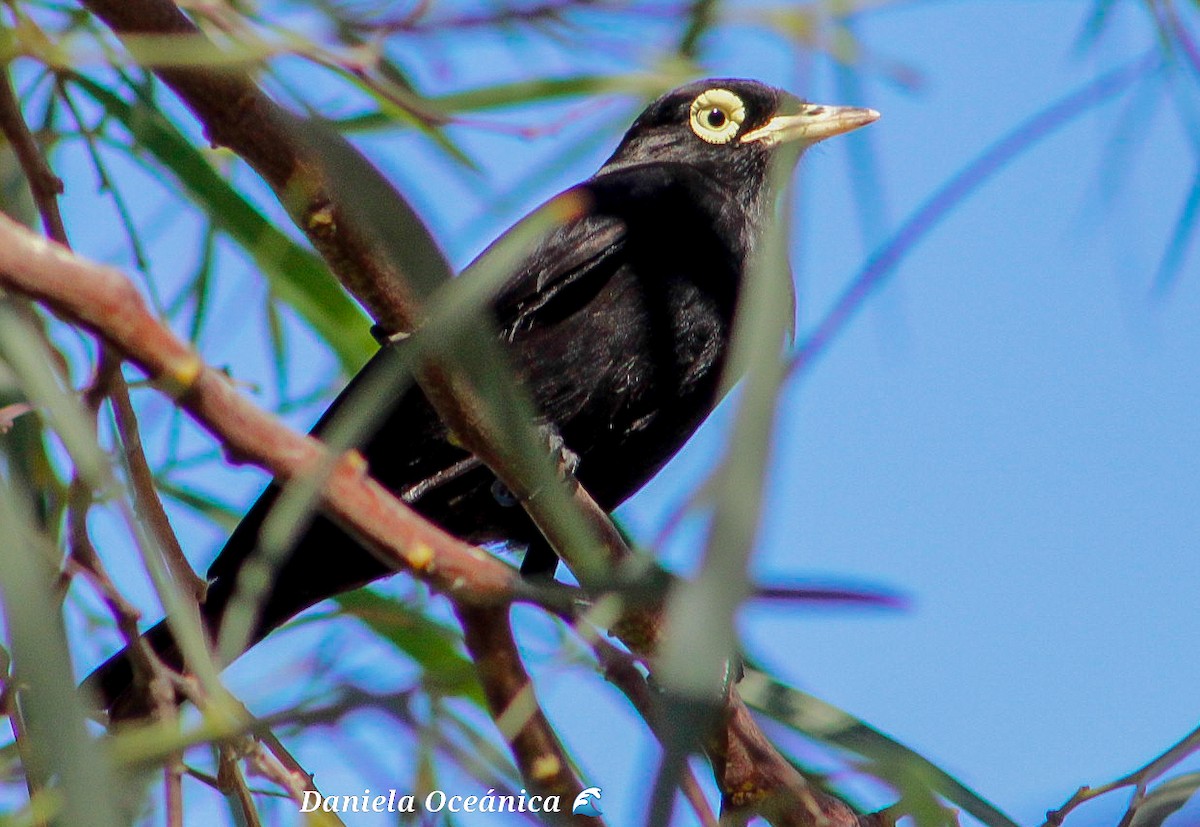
pixel 1185 230
pixel 826 723
pixel 542 90
pixel 1167 798
pixel 437 649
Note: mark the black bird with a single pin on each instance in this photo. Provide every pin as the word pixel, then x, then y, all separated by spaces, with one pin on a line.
pixel 618 324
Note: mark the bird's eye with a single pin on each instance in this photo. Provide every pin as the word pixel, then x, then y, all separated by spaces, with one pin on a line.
pixel 717 115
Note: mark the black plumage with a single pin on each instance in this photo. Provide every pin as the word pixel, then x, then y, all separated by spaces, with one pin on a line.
pixel 618 324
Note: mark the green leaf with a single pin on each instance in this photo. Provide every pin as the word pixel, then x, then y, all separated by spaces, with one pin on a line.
pixel 826 723
pixel 279 352
pixel 25 454
pixel 521 93
pixel 541 90
pixel 27 355
pixel 58 754
pixel 200 286
pixel 701 15
pixel 401 106
pixel 1167 798
pixel 437 649
pixel 1185 230
pixel 296 275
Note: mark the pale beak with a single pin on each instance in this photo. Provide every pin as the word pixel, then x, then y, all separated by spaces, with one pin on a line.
pixel 814 122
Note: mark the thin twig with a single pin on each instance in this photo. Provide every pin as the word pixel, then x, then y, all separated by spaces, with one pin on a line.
pixel 233 784
pixel 416 22
pixel 44 185
pixel 173 791
pixel 145 494
pixel 1139 779
pixel 82 558
pixel 287 774
pixel 298 777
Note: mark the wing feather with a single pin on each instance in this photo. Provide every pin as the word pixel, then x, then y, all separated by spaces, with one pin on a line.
pixel 570 266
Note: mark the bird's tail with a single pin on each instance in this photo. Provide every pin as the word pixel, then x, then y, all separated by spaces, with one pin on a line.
pixel 325 562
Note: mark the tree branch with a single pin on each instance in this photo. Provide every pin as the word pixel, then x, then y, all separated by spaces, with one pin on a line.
pixel 103 301
pixel 540 756
pixel 44 185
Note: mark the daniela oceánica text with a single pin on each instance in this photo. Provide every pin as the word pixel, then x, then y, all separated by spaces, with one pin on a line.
pixel 435 802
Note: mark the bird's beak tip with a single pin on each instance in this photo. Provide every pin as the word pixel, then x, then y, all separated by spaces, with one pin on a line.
pixel 838 120
pixel 812 123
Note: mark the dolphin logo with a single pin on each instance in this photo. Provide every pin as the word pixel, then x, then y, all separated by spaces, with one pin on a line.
pixel 585 803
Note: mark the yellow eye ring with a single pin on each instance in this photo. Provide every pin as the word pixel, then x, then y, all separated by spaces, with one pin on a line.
pixel 717 115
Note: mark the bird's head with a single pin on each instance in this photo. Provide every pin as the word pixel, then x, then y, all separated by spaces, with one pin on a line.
pixel 729 128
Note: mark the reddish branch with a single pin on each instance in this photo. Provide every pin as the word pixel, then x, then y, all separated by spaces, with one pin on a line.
pixel 755 780
pixel 104 302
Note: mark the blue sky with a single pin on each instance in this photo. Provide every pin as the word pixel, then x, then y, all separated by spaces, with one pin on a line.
pixel 1007 435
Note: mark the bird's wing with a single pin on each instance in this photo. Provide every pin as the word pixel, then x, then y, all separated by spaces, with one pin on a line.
pixel 568 267
pixel 562 273
pixel 575 261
